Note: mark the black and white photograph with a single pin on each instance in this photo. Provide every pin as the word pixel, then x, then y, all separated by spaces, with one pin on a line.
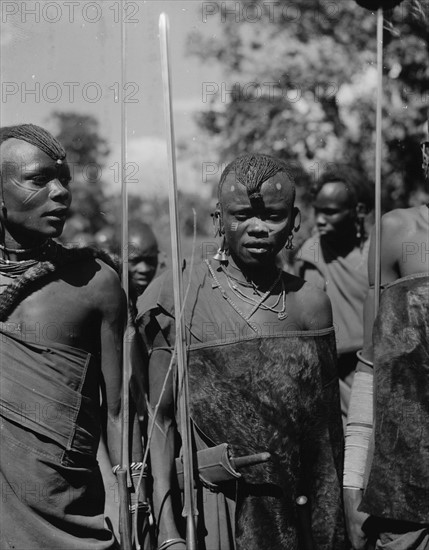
pixel 214 275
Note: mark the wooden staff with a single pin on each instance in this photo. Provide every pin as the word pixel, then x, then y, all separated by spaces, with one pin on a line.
pixel 378 143
pixel 189 508
pixel 123 472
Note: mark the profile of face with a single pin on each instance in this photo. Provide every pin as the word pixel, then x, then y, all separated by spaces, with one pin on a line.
pixel 334 212
pixel 36 193
pixel 256 230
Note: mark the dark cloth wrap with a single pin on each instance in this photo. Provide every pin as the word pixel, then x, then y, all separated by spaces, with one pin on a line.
pixel 52 494
pixel 275 394
pixel 398 485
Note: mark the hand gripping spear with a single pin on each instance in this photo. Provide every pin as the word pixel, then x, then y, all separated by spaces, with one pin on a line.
pixel 189 508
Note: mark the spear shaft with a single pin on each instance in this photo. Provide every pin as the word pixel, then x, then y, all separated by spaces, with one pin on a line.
pixel 378 138
pixel 122 474
pixel 189 508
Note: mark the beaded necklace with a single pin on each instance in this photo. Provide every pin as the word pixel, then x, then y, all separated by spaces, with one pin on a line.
pixel 257 303
pixel 15 268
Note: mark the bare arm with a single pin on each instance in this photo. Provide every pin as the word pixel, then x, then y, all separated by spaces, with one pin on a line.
pixel 112 306
pixel 166 495
pixel 316 308
pixel 390 248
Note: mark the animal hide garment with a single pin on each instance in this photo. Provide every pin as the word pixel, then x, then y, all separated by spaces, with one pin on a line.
pixel 275 394
pixel 398 485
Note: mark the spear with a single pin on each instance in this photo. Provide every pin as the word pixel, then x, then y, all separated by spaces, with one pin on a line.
pixel 189 507
pixel 379 6
pixel 122 473
pixel 378 138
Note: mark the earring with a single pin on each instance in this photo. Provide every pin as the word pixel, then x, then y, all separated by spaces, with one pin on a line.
pixel 425 159
pixel 222 253
pixel 289 242
pixel 360 223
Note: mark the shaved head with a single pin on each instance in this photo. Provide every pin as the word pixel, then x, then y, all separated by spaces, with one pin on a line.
pixel 251 171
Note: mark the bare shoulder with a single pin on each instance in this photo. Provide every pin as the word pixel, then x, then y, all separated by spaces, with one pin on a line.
pixel 398 218
pixel 98 280
pixel 401 222
pixel 313 304
pixel 107 285
pixel 399 232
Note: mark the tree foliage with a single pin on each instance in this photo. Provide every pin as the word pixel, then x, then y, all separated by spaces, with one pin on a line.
pixel 86 154
pixel 301 83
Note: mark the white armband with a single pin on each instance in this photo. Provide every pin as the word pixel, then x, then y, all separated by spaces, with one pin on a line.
pixel 358 431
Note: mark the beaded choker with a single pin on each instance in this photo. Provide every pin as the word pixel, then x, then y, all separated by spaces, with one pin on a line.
pixel 35 250
pixel 15 268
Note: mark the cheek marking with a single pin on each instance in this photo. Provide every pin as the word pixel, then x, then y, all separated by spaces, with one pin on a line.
pixel 31 194
pixel 234 226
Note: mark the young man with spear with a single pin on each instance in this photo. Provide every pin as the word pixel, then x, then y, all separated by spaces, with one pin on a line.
pixel 262 381
pixel 62 318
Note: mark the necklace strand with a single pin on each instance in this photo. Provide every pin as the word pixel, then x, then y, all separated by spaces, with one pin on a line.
pixel 39 248
pixel 281 314
pixel 15 268
pixel 260 303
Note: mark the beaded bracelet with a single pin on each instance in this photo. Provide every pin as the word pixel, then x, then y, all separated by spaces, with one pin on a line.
pixel 363 360
pixel 134 467
pixel 170 542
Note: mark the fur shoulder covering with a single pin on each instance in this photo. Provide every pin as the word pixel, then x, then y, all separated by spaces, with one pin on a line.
pixel 57 256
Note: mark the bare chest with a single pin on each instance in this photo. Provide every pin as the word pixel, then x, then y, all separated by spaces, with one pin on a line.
pixel 55 312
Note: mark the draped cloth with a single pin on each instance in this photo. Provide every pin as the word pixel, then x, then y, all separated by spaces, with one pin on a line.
pixel 52 494
pixel 275 393
pixel 345 281
pixel 398 484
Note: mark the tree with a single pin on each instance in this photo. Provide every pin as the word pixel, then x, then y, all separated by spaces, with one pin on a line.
pixel 86 154
pixel 301 83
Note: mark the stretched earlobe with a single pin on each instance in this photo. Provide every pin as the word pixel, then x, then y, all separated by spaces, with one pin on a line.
pixel 217 222
pixel 297 214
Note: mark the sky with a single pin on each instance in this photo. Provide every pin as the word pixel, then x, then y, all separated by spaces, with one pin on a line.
pixel 66 56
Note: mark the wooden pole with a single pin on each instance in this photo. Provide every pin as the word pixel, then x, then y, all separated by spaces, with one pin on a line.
pixel 378 143
pixel 189 508
pixel 123 472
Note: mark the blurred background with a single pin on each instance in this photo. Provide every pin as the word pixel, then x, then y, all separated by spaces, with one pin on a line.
pixel 294 79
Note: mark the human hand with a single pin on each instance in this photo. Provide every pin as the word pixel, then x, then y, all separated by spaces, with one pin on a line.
pixel 354 518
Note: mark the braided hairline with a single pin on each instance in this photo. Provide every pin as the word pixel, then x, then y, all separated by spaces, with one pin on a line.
pixel 35 135
pixel 252 170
